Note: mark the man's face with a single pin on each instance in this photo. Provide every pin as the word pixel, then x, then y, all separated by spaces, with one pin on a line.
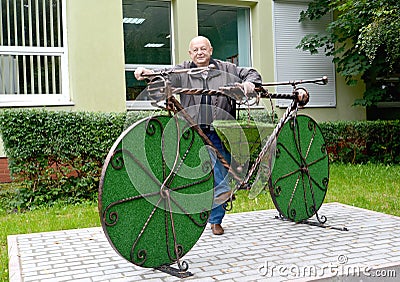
pixel 200 52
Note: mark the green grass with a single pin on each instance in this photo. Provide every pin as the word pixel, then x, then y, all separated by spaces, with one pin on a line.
pixel 370 186
pixel 374 187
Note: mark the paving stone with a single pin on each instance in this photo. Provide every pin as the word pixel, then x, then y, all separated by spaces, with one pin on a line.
pixel 207 273
pixel 60 279
pixel 52 271
pixel 252 242
pixel 38 277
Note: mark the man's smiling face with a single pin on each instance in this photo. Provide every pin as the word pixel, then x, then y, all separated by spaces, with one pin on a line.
pixel 200 51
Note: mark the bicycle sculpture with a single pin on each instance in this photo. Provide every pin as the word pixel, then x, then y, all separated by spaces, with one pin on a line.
pixel 156 188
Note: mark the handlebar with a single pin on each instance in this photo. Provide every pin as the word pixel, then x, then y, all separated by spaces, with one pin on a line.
pixel 319 81
pixel 177 71
pixel 234 91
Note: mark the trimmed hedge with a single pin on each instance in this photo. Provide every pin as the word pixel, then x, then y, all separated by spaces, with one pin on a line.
pixel 57 155
pixel 363 141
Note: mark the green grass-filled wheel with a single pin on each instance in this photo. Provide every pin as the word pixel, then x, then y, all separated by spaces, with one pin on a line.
pixel 156 191
pixel 299 180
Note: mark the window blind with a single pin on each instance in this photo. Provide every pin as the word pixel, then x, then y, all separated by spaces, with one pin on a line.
pixel 295 64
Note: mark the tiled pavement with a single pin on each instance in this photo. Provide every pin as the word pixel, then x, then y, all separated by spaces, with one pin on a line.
pixel 255 247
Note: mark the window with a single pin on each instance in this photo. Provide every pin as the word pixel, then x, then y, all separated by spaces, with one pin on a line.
pixel 147 39
pixel 228 29
pixel 295 64
pixel 32 53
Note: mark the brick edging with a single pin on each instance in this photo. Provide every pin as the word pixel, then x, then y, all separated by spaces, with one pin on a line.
pixel 4 171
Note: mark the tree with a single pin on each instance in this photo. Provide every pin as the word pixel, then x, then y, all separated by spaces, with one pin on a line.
pixel 364 41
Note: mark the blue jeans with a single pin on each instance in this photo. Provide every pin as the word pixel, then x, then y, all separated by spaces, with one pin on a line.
pixel 221 184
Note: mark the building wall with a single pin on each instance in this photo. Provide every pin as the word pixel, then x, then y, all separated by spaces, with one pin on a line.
pixel 96 55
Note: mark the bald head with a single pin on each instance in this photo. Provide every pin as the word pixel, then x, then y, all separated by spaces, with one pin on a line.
pixel 200 51
pixel 199 39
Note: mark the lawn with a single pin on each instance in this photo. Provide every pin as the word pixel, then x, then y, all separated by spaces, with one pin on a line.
pixel 374 187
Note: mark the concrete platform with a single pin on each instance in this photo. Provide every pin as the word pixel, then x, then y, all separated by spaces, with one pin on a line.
pixel 255 247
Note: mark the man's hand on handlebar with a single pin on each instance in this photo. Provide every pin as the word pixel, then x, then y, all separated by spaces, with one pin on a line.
pixel 247 87
pixel 140 71
pixel 302 96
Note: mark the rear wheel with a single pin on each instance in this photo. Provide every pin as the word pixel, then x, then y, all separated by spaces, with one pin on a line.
pixel 300 176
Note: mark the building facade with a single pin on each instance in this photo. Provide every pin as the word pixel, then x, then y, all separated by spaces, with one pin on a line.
pixel 80 55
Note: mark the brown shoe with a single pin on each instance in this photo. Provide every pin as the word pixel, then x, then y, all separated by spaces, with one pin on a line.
pixel 217 229
pixel 224 197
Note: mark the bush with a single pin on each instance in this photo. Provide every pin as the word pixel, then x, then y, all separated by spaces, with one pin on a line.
pixel 58 155
pixel 363 141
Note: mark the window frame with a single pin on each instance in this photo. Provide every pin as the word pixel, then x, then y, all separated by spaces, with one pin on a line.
pixel 130 68
pixel 36 99
pixel 247 17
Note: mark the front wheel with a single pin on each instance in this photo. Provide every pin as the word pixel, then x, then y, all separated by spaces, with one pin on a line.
pixel 156 191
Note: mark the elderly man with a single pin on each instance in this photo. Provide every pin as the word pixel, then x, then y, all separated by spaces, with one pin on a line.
pixel 205 108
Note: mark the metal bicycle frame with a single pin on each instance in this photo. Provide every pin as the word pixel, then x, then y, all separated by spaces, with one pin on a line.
pixel 173 105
